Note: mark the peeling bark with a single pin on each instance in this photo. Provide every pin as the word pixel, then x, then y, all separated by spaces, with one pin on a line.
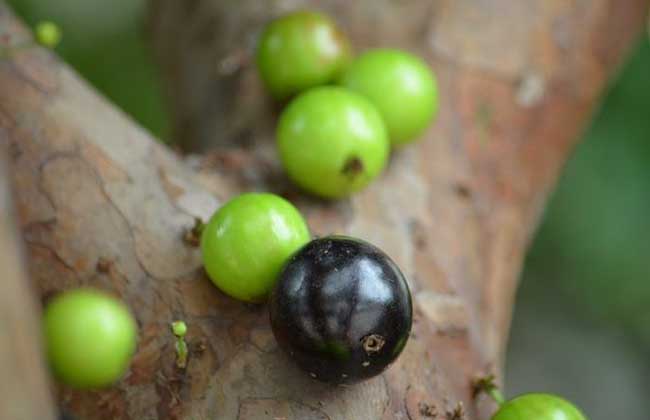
pixel 101 203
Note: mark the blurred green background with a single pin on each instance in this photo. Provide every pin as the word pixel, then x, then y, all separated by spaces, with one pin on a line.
pixel 106 42
pixel 582 321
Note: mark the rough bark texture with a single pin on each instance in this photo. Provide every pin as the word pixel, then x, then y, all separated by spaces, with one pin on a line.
pixel 24 392
pixel 101 203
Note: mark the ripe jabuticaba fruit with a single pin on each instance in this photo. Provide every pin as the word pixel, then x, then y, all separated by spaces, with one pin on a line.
pixel 341 309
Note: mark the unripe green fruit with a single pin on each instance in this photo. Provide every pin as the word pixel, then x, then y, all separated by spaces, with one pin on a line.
pixel 402 87
pixel 179 328
pixel 248 240
pixel 90 338
pixel 538 407
pixel 332 142
pixel 48 34
pixel 301 50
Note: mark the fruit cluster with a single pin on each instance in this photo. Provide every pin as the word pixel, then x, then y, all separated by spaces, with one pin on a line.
pixel 339 306
pixel 334 140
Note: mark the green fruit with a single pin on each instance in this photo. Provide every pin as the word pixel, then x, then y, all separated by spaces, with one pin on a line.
pixel 48 34
pixel 90 338
pixel 299 51
pixel 402 87
pixel 538 407
pixel 247 242
pixel 332 142
pixel 179 328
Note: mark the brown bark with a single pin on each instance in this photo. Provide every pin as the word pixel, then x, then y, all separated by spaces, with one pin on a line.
pixel 24 391
pixel 101 203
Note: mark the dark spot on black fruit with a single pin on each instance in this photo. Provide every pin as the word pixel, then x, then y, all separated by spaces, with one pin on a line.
pixel 373 343
pixel 341 310
pixel 353 166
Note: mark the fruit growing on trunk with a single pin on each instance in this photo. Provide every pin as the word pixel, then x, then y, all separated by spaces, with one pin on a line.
pixel 248 240
pixel 90 338
pixel 341 310
pixel 332 142
pixel 300 50
pixel 401 86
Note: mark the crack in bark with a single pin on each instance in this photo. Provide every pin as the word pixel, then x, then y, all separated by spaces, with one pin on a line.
pixel 52 252
pixel 387 390
pixel 101 187
pixel 28 80
pixel 51 158
pixel 406 407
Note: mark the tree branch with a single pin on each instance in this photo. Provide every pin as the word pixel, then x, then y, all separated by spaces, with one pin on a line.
pixel 102 203
pixel 24 390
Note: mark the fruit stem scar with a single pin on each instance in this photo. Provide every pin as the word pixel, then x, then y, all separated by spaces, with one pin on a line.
pixel 373 343
pixel 352 167
pixel 487 384
pixel 193 236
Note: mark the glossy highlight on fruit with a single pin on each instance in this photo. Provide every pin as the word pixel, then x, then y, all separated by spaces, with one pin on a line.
pixel 538 407
pixel 332 142
pixel 402 87
pixel 248 240
pixel 301 50
pixel 341 309
pixel 90 338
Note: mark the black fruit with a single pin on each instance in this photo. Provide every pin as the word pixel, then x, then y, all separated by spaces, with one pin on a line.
pixel 341 309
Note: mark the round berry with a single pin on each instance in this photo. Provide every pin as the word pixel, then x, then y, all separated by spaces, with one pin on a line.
pixel 538 407
pixel 248 240
pixel 299 51
pixel 402 87
pixel 179 328
pixel 90 338
pixel 341 309
pixel 332 142
pixel 48 34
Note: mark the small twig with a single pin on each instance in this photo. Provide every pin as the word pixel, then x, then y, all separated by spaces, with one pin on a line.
pixel 180 329
pixel 193 236
pixel 487 385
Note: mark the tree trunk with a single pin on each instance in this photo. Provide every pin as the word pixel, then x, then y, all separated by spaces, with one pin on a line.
pixel 102 203
pixel 24 392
